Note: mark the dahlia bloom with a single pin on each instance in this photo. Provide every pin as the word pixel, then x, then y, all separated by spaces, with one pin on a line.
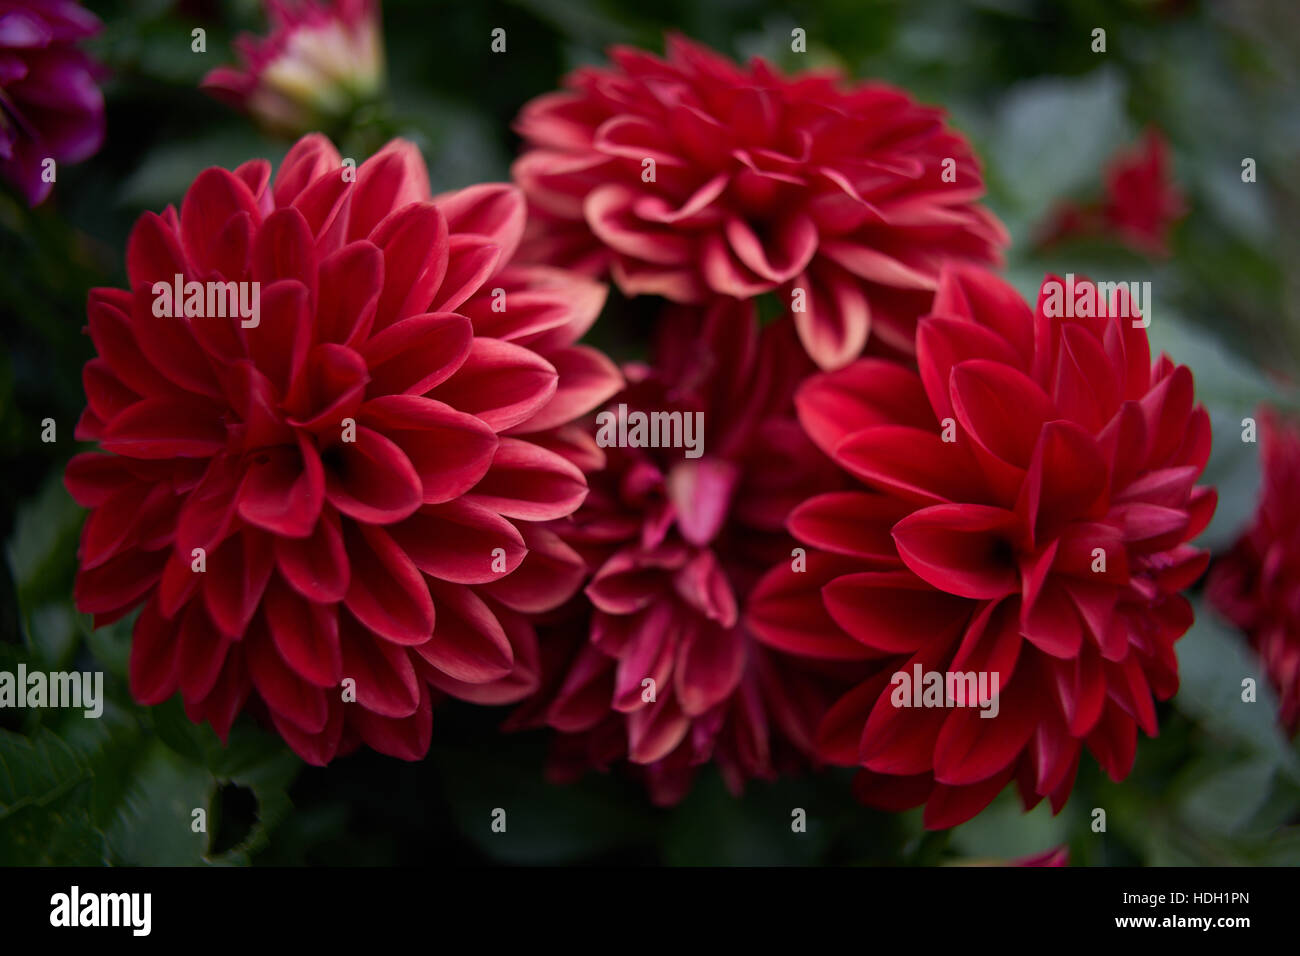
pixel 1023 513
pixel 674 544
pixel 1256 584
pixel 693 177
pixel 352 487
pixel 321 59
pixel 1140 206
pixel 50 105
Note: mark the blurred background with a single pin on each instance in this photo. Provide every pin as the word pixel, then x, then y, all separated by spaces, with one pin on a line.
pixel 1049 116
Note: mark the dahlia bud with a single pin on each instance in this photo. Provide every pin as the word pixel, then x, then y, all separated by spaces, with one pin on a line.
pixel 321 60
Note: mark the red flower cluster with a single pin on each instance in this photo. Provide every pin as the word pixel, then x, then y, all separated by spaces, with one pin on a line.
pixel 693 178
pixel 342 482
pixel 1256 584
pixel 1025 505
pixel 1140 206
pixel 664 671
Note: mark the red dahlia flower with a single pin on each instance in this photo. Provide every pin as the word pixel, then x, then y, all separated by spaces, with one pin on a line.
pixel 1256 584
pixel 352 486
pixel 675 542
pixel 50 106
pixel 1025 505
pixel 321 59
pixel 692 177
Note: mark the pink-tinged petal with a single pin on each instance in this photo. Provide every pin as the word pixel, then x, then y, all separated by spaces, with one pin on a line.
pixel 227 698
pixel 458 542
pixel 166 428
pixel 1002 409
pixel 968 292
pixel 201 653
pixel 851 523
pixel 92 478
pixel 942 343
pixel 701 493
pixel 1080 688
pixel 393 178
pixel 528 482
pixel 1051 623
pixel 586 379
pixel 387 593
pixel 153 673
pixel 785 612
pixel 836 319
pixel 385 678
pixel 154 253
pixel 469 643
pixel 964 549
pixel 414 242
pixel 306 635
pixel 790 248
pixel 278 344
pixel 316 749
pixel 350 282
pixel 501 383
pixel 309 159
pixel 894 611
pixel 949 806
pixel 449 450
pixel 1067 474
pixel 495 210
pixel 170 345
pixel 256 175
pixel 208 513
pixel 235 578
pixel 316 566
pixel 908 463
pixel 215 196
pixel 875 266
pixel 284 249
pixel 1113 742
pixel 609 212
pixel 703 585
pixel 416 354
pixel 331 388
pixel 283 490
pixel 866 393
pixel 523 681
pixel 286 694
pixel 899 740
pixel 550 573
pixel 709 667
pixel 971 747
pixel 406 738
pixel 470 261
pixel 723 271
pixel 654 732
pixel 370 479
pixel 108 314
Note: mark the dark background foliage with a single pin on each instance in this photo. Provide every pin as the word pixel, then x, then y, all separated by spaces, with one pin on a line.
pixel 1220 785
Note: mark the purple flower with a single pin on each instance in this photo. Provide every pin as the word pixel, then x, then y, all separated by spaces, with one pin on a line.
pixel 50 105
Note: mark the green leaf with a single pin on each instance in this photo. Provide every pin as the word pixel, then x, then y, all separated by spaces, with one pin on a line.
pixel 713 828
pixel 1213 661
